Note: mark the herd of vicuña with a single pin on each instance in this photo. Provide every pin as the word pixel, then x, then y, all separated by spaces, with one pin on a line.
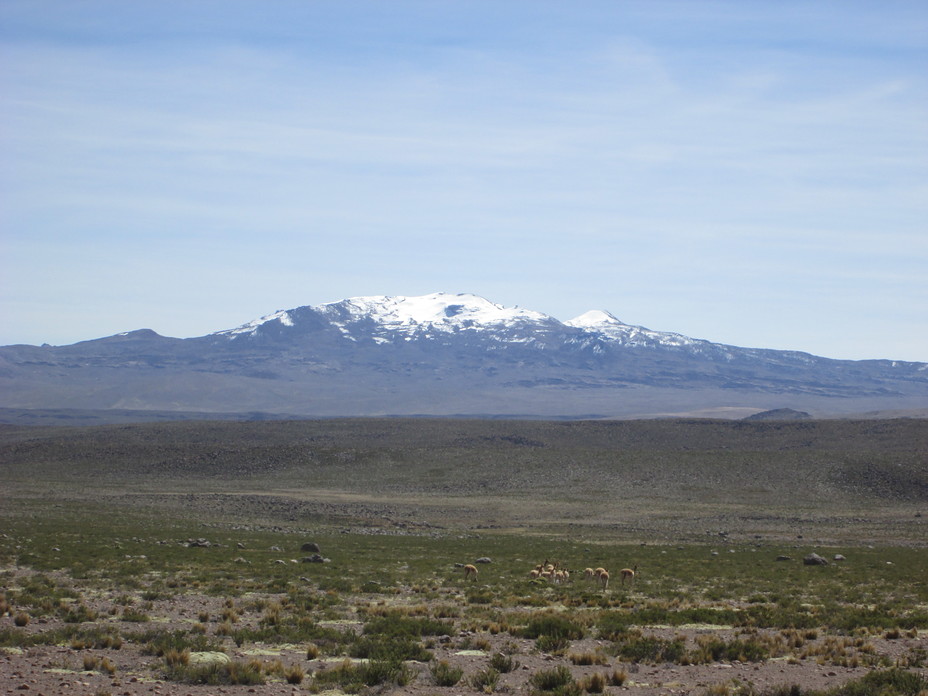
pixel 557 574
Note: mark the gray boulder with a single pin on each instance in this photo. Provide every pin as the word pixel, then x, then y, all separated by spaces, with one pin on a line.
pixel 814 559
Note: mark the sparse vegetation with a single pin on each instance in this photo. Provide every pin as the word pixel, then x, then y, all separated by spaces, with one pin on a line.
pixel 391 609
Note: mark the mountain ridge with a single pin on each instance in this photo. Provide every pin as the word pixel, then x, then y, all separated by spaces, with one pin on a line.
pixel 443 354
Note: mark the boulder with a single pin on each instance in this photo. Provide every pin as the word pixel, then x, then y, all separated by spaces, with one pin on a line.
pixel 315 558
pixel 484 559
pixel 814 559
pixel 311 547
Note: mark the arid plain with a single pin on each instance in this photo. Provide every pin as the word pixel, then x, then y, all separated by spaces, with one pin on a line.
pixel 326 556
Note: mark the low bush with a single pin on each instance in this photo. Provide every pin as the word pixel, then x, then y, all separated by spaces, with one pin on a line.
pixel 443 674
pixel 217 673
pixel 555 681
pixel 552 625
pixel 485 680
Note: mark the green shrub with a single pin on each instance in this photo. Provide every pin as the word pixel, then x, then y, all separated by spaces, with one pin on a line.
pixel 444 674
pixel 353 677
pixel 503 663
pixel 79 613
pixel 555 681
pixel 394 649
pixel 157 643
pixel 553 625
pixel 98 637
pixel 485 680
pixel 613 625
pixel 893 682
pixel 652 650
pixel 399 625
pixel 217 673
pixel 552 644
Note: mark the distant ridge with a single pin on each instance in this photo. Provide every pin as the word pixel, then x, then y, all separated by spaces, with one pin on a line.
pixel 444 355
pixel 779 414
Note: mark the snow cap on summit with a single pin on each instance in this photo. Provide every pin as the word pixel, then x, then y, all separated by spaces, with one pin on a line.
pixel 593 318
pixel 436 309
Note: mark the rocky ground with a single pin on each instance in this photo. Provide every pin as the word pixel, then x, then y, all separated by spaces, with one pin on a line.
pixel 127 671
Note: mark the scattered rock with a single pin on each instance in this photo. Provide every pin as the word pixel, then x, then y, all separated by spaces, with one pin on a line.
pixel 814 559
pixel 315 558
pixel 310 546
pixel 839 557
pixel 784 558
pixel 484 559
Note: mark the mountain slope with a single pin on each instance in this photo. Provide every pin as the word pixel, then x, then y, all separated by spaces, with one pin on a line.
pixel 444 354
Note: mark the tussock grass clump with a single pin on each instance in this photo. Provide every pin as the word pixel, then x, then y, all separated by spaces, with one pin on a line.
pixel 552 625
pixel 443 674
pixel 294 674
pixel 652 650
pixel 396 624
pixel 98 637
pixel 586 659
pixel 555 645
pixel 218 673
pixel 618 677
pixel 555 681
pixel 79 613
pixel 386 648
pixel 134 616
pixel 504 663
pixel 486 680
pixel 177 658
pixel 594 683
pixel 353 677
pixel 714 649
pixel 893 682
pixel 21 619
pixel 158 642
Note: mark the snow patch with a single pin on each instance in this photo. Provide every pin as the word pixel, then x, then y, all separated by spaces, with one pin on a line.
pixel 283 316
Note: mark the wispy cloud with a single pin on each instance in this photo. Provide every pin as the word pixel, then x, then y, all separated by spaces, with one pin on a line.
pixel 635 150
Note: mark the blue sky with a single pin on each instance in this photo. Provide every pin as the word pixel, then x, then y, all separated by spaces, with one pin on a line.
pixel 751 173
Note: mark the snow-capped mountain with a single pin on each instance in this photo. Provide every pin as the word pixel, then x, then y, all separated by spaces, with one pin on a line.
pixel 444 354
pixel 406 318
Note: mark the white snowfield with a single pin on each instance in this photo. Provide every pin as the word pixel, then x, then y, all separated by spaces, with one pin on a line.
pixel 439 312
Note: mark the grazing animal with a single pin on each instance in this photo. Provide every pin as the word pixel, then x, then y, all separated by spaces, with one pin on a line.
pixel 628 574
pixel 603 578
pixel 589 574
pixel 470 571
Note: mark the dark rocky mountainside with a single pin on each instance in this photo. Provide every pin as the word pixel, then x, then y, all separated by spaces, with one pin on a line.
pixel 467 358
